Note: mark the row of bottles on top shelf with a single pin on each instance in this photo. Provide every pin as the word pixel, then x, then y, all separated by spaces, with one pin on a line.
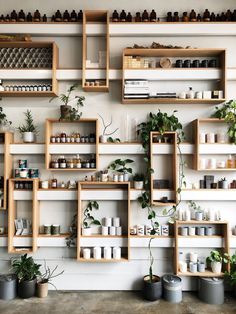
pixel 74 137
pixel 75 162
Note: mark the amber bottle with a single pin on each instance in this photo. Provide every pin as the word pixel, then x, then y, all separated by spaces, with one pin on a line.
pixel 2 18
pixel 185 17
pixel 129 17
pixel 145 17
pixel 213 17
pixel 73 16
pixel 206 16
pixel 153 16
pixel 218 18
pixel 37 16
pixel 66 16
pixel 13 16
pixel 223 17
pixel 80 16
pixel 115 16
pixel 29 17
pixel 45 19
pixel 58 17
pixel 234 16
pixel 138 17
pixel 176 17
pixel 123 16
pixel 53 18
pixel 21 16
pixel 169 17
pixel 228 16
pixel 7 18
pixel 199 18
pixel 193 16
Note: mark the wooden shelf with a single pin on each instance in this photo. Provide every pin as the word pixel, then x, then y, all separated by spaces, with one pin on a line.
pixel 103 236
pixel 102 260
pixel 73 169
pixel 202 222
pixel 27 94
pixel 62 235
pixel 207 273
pixel 172 101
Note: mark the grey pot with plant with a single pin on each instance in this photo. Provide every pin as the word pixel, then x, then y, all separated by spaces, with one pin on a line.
pixel 89 219
pixel 28 130
pixel 45 279
pixel 70 105
pixel 138 181
pixel 27 272
pixel 121 167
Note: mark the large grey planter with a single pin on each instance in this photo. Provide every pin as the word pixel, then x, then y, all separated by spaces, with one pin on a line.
pixel 152 291
pixel 211 290
pixel 27 289
pixel 8 287
pixel 172 288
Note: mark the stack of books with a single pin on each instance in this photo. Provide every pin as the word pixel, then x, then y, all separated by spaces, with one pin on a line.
pixel 136 89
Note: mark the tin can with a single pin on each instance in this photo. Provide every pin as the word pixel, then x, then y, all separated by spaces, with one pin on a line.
pixel 17 173
pixel 22 163
pixel 33 173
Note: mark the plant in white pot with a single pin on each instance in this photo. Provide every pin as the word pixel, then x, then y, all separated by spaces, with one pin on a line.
pixel 45 279
pixel 89 219
pixel 120 166
pixel 138 181
pixel 106 137
pixel 216 259
pixel 28 130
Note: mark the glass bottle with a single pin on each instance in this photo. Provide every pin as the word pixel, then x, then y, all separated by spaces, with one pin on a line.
pixel 63 137
pixel 58 16
pixel 62 162
pixel 54 183
pixel 37 16
pixel 123 16
pixel 153 16
pixel 169 17
pixel 66 16
pixel 185 17
pixel 230 162
pixel 145 17
pixel 78 162
pixel 115 16
pixel 176 17
pixel 13 16
pixel 138 17
pixel 45 18
pixel 73 16
pixel 190 93
pixel 29 17
pixel 21 16
pixel 129 17
pixel 80 16
pixel 193 16
pixel 206 16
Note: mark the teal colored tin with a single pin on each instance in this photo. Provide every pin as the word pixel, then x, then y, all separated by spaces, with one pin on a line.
pixel 34 173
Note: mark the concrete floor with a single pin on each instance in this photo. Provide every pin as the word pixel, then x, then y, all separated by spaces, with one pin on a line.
pixel 111 303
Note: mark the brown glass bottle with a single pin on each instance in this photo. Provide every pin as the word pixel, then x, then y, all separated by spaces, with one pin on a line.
pixel 115 16
pixel 213 17
pixel 176 17
pixel 58 17
pixel 206 16
pixel 169 17
pixel 228 16
pixel 80 16
pixel 129 17
pixel 21 16
pixel 123 16
pixel 153 16
pixel 73 16
pixel 45 19
pixel 223 17
pixel 199 18
pixel 37 16
pixel 234 16
pixel 193 16
pixel 29 17
pixel 7 18
pixel 66 16
pixel 145 16
pixel 13 16
pixel 138 17
pixel 185 17
pixel 2 19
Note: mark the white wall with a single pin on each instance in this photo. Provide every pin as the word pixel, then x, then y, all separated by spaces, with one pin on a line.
pixel 123 275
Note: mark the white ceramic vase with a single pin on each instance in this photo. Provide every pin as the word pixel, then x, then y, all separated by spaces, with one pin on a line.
pixel 28 137
pixel 103 139
pixel 138 185
pixel 216 267
pixel 86 231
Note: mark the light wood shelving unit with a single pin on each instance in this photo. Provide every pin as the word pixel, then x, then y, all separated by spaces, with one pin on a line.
pixel 102 186
pixel 98 17
pixel 12 215
pixel 172 137
pixel 53 78
pixel 174 53
pixel 70 148
pixel 225 234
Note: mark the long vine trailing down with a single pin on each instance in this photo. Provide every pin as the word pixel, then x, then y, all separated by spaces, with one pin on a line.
pixel 160 122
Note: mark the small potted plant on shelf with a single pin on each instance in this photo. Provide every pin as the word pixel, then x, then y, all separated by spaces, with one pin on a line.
pixel 119 165
pixel 106 137
pixel 4 122
pixel 138 181
pixel 89 220
pixel 231 275
pixel 45 279
pixel 223 183
pixel 68 112
pixel 152 284
pixel 216 259
pixel 27 271
pixel 29 130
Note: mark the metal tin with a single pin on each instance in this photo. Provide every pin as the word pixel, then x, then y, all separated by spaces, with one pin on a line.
pixel 33 173
pixel 172 288
pixel 17 173
pixel 22 163
pixel 8 287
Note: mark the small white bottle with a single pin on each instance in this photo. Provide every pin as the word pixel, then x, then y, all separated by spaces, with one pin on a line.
pixel 190 93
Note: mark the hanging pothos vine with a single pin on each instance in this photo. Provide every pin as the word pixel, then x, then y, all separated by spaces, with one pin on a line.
pixel 160 122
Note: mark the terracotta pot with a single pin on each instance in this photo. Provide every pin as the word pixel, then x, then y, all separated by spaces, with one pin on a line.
pixel 42 289
pixel 65 112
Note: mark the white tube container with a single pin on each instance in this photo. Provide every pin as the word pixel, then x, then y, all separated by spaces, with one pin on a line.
pixel 193 257
pixel 97 252
pixel 86 253
pixel 116 252
pixel 187 215
pixel 108 221
pixel 119 231
pixel 140 230
pixel 202 138
pixel 107 252
pixel 112 231
pixel 104 230
pixel 116 221
pixel 211 138
pixel 183 267
pixel 192 231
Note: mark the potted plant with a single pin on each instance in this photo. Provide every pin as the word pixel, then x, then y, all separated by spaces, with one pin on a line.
pixel 119 165
pixel 106 137
pixel 152 284
pixel 89 220
pixel 27 271
pixel 215 259
pixel 223 183
pixel 68 112
pixel 231 275
pixel 45 279
pixel 138 181
pixel 4 122
pixel 29 130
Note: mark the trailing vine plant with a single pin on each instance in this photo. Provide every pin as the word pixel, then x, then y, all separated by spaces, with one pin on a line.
pixel 159 122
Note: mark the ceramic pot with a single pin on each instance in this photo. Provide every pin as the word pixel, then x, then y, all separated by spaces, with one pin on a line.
pixel 8 284
pixel 86 231
pixel 152 291
pixel 216 267
pixel 65 112
pixel 27 289
pixel 103 139
pixel 28 137
pixel 126 177
pixel 42 289
pixel 138 185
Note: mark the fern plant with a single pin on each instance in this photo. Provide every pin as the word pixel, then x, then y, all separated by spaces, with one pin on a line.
pixel 29 125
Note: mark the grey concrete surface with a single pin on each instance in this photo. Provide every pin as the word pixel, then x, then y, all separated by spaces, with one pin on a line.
pixel 111 302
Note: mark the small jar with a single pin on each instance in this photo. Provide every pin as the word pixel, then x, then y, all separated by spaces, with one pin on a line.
pixel 70 164
pixel 55 164
pixel 23 173
pixel 78 163
pixel 63 185
pixel 54 183
pixel 58 139
pixel 62 162
pixel 82 139
pixel 44 184
pixel 53 139
pixel 77 139
pixel 86 139
pixel 55 229
pixel 68 139
pixel 47 229
pixel 87 164
pixel 63 138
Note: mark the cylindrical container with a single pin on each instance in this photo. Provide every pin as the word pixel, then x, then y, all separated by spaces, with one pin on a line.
pixel 211 163
pixel 24 173
pixel 105 230
pixel 192 267
pixel 183 267
pixel 97 252
pixel 181 214
pixel 112 230
pixel 199 95
pixel 221 137
pixel 202 163
pixel 126 177
pixel 44 184
pixel 22 163
pixel 211 290
pixel 86 253
pixel 187 215
pixel 172 288
pixel 47 229
pixel 55 229
pixel 8 287
pixel 116 221
pixel 211 215
pixel 184 231
pixel 107 252
pixel 104 177
pixel 140 230
pixel 152 290
pixel 181 256
pixel 108 221
pixel 182 95
pixel 193 257
pixel 17 173
pixel 210 138
pixel 33 173
pixel 192 231
pixel 201 231
pixel 148 230
pixel 201 267
pixel 116 252
pixel 133 231
pixel 119 231
pixel 202 138
pixel 221 164
pixel 199 215
pixel 121 178
pixel 115 177
pixel 209 231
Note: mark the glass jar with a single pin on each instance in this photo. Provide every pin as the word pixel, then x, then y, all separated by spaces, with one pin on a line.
pixel 62 162
pixel 63 137
pixel 58 139
pixel 87 164
pixel 77 139
pixel 54 183
pixel 53 139
pixel 69 164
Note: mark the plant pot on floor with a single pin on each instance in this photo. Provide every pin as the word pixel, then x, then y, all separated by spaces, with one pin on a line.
pixel 42 289
pixel 27 289
pixel 65 112
pixel 152 291
pixel 216 267
pixel 8 287
pixel 28 137
pixel 138 185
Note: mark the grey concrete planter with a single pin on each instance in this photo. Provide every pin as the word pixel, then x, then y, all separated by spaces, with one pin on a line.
pixel 152 291
pixel 27 289
pixel 8 287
